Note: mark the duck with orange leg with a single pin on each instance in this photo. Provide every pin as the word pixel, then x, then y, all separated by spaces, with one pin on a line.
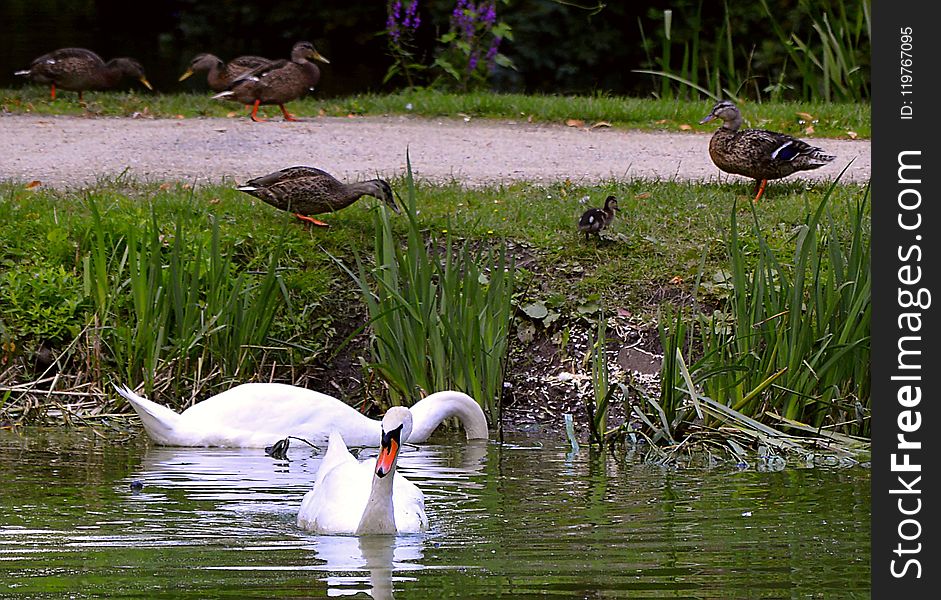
pixel 221 74
pixel 277 82
pixel 308 191
pixel 757 153
pixel 80 69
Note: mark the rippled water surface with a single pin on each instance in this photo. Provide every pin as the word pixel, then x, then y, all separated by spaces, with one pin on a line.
pixel 522 518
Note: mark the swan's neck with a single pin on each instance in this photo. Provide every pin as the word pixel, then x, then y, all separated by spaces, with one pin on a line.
pixel 379 516
pixel 428 413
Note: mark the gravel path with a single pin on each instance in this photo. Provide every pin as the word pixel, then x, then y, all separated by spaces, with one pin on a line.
pixel 68 152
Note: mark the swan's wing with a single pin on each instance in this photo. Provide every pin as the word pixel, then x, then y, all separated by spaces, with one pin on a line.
pixel 337 454
pixel 259 414
pixel 408 501
pixel 337 502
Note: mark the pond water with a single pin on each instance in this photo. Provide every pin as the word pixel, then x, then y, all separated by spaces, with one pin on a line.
pixel 521 518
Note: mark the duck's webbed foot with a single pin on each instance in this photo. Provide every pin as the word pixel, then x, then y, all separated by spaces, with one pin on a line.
pixel 311 220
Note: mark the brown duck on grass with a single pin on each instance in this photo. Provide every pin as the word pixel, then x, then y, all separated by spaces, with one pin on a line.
pixel 220 74
pixel 757 153
pixel 307 191
pixel 78 69
pixel 594 220
pixel 278 82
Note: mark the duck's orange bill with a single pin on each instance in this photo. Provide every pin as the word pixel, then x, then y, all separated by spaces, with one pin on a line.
pixel 386 458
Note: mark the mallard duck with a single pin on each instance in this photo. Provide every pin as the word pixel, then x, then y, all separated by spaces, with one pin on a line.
pixel 78 69
pixel 757 153
pixel 307 191
pixel 594 220
pixel 277 82
pixel 220 74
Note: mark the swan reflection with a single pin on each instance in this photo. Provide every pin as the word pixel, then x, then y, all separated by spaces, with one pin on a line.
pixel 369 563
pixel 208 495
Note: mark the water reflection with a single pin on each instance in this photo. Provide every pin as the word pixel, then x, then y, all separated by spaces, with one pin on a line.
pixel 523 518
pixel 367 563
pixel 246 479
pixel 249 482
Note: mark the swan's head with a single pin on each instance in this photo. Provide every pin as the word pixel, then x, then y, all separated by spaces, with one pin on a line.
pixel 396 426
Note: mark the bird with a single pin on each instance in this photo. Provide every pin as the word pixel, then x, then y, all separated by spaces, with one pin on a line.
pixel 368 497
pixel 278 82
pixel 232 418
pixel 308 191
pixel 80 69
pixel 757 153
pixel 220 74
pixel 594 220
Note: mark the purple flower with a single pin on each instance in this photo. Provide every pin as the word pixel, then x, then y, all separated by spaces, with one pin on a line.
pixel 397 22
pixel 489 15
pixel 411 16
pixel 492 51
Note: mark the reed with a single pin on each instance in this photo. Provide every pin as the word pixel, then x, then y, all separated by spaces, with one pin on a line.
pixel 439 311
pixel 602 391
pixel 794 344
pixel 828 63
pixel 176 312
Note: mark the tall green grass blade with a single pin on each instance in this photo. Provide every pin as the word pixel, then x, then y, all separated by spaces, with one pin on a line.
pixel 439 312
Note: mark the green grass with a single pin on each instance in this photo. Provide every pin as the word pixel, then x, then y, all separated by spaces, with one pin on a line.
pixel 665 235
pixel 803 319
pixel 167 302
pixel 667 238
pixel 660 233
pixel 828 61
pixel 828 119
pixel 789 351
pixel 439 311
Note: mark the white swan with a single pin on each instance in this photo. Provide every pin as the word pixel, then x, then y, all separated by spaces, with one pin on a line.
pixel 256 415
pixel 369 497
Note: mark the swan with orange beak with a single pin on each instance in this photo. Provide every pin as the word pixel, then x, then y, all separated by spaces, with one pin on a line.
pixel 368 497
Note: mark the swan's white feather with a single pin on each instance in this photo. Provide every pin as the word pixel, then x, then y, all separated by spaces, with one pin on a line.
pixel 341 490
pixel 255 415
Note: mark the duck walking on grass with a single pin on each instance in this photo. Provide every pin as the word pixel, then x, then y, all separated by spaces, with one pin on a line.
pixel 594 220
pixel 79 69
pixel 308 191
pixel 277 82
pixel 221 74
pixel 757 153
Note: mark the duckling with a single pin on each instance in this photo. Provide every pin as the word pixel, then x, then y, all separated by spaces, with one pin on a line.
pixel 757 153
pixel 307 191
pixel 79 69
pixel 594 220
pixel 220 74
pixel 277 82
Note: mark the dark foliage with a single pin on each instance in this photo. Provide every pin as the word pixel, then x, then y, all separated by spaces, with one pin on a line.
pixel 557 47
